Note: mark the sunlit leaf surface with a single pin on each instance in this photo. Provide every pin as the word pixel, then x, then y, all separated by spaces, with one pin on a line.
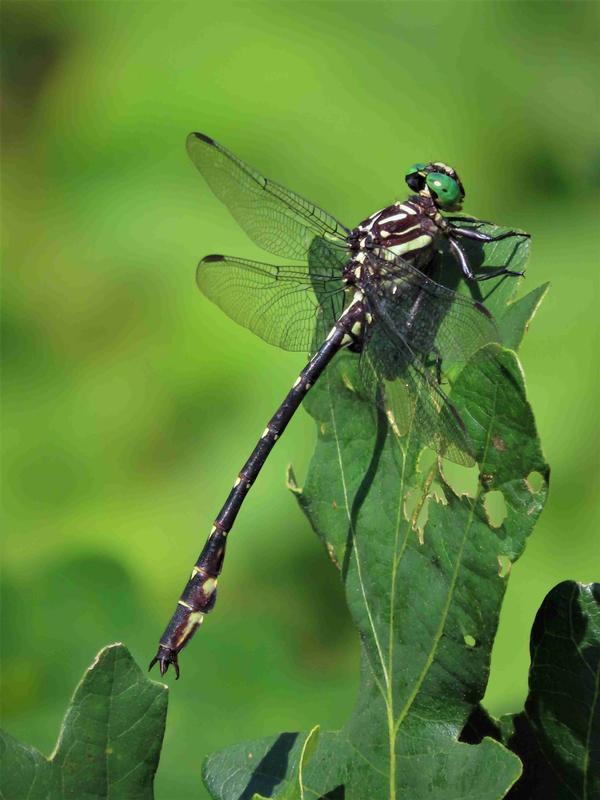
pixel 109 743
pixel 425 568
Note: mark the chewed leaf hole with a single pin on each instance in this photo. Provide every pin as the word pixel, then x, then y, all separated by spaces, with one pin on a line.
pixel 504 566
pixel 534 481
pixel 494 505
pixel 417 504
pixel 426 460
pixel 462 480
pixel 416 512
pixel 470 641
pixel 411 498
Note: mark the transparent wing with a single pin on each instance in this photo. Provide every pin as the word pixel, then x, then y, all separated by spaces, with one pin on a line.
pixel 277 219
pixel 432 319
pixel 420 330
pixel 408 391
pixel 292 307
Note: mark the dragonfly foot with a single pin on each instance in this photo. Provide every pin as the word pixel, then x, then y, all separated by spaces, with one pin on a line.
pixel 164 658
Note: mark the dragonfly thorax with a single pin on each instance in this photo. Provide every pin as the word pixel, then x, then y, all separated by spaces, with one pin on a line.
pixel 410 229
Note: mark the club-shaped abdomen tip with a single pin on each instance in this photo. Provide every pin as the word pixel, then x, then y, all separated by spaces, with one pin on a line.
pixel 164 658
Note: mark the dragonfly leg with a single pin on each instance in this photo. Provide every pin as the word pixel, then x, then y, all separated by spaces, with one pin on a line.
pixel 493 273
pixel 466 218
pixel 469 233
pixel 461 258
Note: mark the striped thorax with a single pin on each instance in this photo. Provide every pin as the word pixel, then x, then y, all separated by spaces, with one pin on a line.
pixel 409 229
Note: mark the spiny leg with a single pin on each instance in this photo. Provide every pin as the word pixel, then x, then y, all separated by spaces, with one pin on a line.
pixel 461 258
pixel 470 233
pixel 477 223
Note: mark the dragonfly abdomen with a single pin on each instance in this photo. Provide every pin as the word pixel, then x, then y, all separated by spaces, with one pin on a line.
pixel 199 594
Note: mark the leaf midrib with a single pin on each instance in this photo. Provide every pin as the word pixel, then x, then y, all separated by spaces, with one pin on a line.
pixel 437 638
pixel 387 694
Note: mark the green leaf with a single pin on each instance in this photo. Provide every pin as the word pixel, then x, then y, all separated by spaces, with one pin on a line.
pixel 253 768
pixel 295 788
pixel 515 320
pixel 557 736
pixel 109 743
pixel 425 567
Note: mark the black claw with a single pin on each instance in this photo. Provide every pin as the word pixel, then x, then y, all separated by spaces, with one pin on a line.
pixel 164 658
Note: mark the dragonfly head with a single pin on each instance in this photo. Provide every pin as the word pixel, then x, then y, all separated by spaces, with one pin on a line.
pixel 439 182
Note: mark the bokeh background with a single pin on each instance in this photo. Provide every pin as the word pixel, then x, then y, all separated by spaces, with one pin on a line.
pixel 129 402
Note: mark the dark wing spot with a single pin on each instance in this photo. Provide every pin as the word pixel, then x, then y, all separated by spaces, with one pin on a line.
pixel 211 258
pixel 481 308
pixel 203 137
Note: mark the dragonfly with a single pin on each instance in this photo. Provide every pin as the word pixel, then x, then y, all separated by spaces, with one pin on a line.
pixel 367 289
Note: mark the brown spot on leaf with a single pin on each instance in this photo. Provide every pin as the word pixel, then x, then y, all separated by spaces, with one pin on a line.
pixel 499 443
pixel 486 478
pixel 504 566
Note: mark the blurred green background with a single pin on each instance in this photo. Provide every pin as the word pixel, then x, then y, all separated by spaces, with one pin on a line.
pixel 130 402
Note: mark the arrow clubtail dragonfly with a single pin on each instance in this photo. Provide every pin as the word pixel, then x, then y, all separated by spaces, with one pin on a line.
pixel 365 288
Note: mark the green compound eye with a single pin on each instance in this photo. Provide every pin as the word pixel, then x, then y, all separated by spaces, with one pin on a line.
pixel 446 190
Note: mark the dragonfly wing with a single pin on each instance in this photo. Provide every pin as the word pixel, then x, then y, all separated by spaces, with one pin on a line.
pixel 406 385
pixel 277 219
pixel 288 306
pixel 431 317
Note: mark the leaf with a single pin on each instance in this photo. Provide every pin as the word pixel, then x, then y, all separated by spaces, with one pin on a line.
pixel 253 768
pixel 109 743
pixel 295 789
pixel 557 736
pixel 516 318
pixel 427 612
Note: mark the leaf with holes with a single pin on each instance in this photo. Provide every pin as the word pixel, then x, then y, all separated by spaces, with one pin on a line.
pixel 109 743
pixel 425 562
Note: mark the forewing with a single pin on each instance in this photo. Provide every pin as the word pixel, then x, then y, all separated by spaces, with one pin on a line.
pixel 277 219
pixel 291 307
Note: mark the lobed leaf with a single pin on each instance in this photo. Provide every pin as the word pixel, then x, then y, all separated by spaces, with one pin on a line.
pixel 109 743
